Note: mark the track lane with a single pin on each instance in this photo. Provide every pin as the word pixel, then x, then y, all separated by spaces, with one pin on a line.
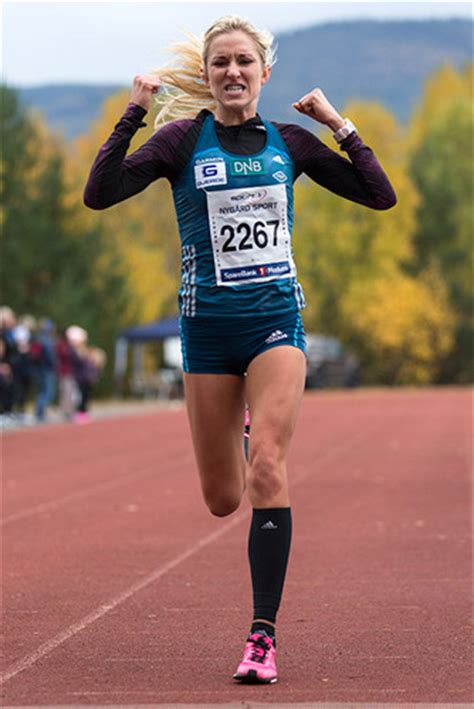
pixel 62 459
pixel 378 580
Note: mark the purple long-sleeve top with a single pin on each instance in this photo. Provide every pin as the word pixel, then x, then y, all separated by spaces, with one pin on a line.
pixel 115 176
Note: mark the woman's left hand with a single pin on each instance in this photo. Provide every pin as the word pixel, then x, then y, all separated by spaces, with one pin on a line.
pixel 315 105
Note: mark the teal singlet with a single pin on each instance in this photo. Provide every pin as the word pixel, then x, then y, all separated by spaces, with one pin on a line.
pixel 235 217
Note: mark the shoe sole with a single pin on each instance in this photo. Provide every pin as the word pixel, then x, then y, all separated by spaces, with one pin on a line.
pixel 252 678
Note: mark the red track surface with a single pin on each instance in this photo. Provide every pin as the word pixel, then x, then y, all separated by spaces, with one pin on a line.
pixel 120 588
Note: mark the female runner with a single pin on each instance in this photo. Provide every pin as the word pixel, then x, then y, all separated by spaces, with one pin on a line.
pixel 232 176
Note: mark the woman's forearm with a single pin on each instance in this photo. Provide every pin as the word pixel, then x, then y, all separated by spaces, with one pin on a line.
pixel 369 174
pixel 113 178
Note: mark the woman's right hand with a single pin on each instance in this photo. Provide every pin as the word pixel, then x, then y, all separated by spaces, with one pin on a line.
pixel 144 86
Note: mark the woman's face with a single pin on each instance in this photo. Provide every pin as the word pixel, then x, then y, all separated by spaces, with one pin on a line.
pixel 235 76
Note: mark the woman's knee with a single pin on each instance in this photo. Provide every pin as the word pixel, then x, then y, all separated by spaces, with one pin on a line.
pixel 222 505
pixel 265 476
pixel 223 492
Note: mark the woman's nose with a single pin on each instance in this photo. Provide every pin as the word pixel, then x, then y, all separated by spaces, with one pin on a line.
pixel 233 69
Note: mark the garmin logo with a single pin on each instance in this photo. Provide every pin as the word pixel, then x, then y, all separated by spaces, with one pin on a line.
pixel 250 166
pixel 210 172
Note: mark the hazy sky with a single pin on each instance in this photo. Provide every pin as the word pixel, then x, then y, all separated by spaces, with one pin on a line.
pixel 110 42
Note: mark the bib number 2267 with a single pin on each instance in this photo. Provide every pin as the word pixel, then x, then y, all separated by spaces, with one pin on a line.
pixel 246 237
pixel 250 238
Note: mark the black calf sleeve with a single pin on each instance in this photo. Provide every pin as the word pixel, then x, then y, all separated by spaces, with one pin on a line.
pixel 269 549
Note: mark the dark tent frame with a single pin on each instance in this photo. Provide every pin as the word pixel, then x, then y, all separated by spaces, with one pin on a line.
pixel 137 337
pixel 157 330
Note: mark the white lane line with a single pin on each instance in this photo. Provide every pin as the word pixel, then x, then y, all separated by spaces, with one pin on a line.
pixel 47 647
pixel 87 492
pixel 50 645
pixel 332 453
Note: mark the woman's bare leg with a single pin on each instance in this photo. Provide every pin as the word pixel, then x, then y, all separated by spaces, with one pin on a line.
pixel 216 407
pixel 274 389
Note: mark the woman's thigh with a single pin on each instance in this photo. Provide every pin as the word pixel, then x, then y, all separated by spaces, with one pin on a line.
pixel 216 408
pixel 274 390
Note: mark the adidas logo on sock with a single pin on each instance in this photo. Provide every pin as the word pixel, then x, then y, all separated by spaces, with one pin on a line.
pixel 269 525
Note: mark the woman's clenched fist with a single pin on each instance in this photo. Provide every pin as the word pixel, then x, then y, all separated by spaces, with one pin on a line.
pixel 315 105
pixel 144 86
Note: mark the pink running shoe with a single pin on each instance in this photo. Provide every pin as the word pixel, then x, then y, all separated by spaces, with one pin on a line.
pixel 82 417
pixel 258 664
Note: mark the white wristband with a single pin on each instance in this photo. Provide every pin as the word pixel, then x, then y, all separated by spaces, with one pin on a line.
pixel 343 132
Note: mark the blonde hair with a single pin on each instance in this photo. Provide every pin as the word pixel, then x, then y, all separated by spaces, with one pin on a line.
pixel 183 92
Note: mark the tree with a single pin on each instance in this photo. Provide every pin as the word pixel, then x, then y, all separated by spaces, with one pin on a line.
pixel 51 263
pixel 141 232
pixel 441 166
pixel 403 327
pixel 353 264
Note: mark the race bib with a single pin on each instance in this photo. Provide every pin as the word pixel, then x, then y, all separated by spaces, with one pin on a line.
pixel 251 242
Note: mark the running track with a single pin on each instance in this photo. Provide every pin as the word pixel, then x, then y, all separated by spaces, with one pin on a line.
pixel 120 589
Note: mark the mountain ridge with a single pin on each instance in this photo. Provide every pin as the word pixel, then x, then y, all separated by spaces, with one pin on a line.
pixel 372 60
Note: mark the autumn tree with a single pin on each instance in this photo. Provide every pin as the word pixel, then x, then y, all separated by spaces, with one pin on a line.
pixel 50 261
pixel 441 165
pixel 353 261
pixel 140 232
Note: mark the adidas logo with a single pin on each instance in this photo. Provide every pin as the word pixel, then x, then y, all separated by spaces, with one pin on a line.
pixel 269 525
pixel 275 336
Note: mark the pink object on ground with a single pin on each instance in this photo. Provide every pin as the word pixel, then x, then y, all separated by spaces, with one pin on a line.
pixel 82 417
pixel 258 664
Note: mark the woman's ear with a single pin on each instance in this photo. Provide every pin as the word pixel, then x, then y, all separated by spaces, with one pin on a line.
pixel 203 76
pixel 266 74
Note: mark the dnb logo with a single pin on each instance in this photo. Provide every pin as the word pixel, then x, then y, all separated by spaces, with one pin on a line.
pixel 210 171
pixel 249 166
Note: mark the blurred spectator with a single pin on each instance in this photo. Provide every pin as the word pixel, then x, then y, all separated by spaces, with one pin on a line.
pixel 7 322
pixel 68 391
pixel 77 336
pixel 88 362
pixel 6 380
pixel 23 363
pixel 98 360
pixel 43 355
pixel 8 353
pixel 95 363
pixel 28 353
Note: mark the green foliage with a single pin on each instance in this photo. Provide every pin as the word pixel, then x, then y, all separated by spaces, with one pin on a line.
pixel 441 166
pixel 396 286
pixel 347 252
pixel 50 263
pixel 141 232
